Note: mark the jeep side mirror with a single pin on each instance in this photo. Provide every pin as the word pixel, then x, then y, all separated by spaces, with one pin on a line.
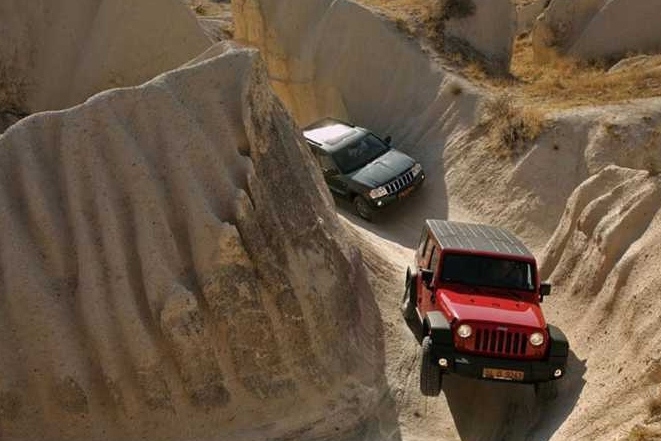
pixel 544 290
pixel 387 139
pixel 427 276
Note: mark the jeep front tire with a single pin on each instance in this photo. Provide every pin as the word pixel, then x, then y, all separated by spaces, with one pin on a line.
pixel 430 372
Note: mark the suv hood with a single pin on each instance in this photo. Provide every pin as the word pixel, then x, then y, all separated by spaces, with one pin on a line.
pixel 383 169
pixel 494 309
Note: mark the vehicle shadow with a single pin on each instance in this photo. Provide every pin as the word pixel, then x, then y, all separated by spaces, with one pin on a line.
pixel 495 411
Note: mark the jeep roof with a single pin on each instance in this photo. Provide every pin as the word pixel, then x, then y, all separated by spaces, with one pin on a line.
pixel 474 237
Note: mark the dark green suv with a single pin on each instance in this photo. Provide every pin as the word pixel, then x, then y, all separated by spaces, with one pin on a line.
pixel 360 166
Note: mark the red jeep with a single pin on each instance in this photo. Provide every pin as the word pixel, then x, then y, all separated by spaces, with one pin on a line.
pixel 476 293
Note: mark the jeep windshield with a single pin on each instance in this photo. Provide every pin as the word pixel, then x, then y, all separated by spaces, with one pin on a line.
pixel 354 156
pixel 487 271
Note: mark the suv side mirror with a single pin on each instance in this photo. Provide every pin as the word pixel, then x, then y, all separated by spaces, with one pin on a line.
pixel 427 276
pixel 329 172
pixel 544 290
pixel 387 139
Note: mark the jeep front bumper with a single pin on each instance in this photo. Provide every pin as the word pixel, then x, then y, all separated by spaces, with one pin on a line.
pixel 499 369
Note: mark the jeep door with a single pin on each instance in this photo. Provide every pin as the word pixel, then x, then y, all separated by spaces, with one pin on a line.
pixel 428 264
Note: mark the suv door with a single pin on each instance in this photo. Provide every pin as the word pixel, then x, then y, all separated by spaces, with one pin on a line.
pixel 330 171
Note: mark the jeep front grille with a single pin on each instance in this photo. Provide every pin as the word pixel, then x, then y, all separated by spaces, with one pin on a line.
pixel 399 183
pixel 498 342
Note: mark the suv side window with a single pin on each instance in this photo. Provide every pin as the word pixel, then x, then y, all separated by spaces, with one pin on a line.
pixel 325 162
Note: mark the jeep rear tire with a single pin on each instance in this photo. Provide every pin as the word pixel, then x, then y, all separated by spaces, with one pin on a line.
pixel 410 296
pixel 363 208
pixel 430 372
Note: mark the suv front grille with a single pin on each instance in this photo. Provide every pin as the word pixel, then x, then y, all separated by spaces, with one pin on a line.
pixel 399 183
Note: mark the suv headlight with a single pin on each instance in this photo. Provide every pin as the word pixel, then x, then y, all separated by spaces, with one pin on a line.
pixel 416 169
pixel 464 331
pixel 378 192
pixel 536 339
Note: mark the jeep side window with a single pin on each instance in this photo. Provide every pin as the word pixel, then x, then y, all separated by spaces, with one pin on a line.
pixel 433 262
pixel 422 247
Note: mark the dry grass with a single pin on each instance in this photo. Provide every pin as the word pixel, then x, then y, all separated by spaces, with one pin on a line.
pixel 510 127
pixel 564 82
pixel 561 83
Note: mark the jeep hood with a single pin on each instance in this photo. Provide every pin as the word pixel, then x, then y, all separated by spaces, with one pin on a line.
pixel 494 309
pixel 383 169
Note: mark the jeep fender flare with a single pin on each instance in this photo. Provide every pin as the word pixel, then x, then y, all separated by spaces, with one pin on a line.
pixel 558 343
pixel 412 285
pixel 438 328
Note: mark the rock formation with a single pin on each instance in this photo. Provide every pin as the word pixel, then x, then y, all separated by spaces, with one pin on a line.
pixel 597 29
pixel 603 260
pixel 482 29
pixel 172 269
pixel 56 53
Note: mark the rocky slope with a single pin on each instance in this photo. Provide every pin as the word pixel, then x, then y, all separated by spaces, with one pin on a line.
pixel 166 276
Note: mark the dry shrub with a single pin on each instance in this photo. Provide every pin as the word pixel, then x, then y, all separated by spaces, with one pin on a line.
pixel 441 10
pixel 404 27
pixel 652 150
pixel 456 8
pixel 200 9
pixel 510 128
pixel 654 407
pixel 643 433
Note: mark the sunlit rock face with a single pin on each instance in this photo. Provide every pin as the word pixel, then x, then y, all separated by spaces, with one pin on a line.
pixel 603 260
pixel 172 268
pixel 597 29
pixel 56 53
pixel 483 29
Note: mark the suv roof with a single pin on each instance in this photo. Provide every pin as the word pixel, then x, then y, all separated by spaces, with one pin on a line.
pixel 477 237
pixel 331 134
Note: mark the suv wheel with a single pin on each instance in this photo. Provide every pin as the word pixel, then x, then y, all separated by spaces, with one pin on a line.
pixel 430 372
pixel 363 208
pixel 408 301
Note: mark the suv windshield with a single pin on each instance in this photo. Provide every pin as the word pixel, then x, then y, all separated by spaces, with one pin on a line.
pixel 356 155
pixel 487 271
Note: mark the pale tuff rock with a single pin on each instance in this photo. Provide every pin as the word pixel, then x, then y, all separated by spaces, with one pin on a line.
pixel 171 266
pixel 597 29
pixel 55 54
pixel 603 260
pixel 486 34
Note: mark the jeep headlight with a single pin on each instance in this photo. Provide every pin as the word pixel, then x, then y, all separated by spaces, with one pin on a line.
pixel 416 169
pixel 536 339
pixel 378 192
pixel 464 331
